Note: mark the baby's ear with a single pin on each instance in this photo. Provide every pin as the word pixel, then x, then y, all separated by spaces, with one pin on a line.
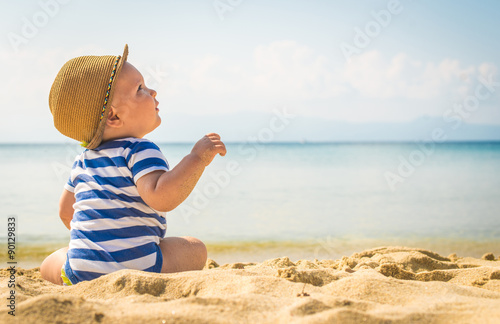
pixel 113 118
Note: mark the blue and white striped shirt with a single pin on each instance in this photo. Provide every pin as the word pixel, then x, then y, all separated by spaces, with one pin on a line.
pixel 112 227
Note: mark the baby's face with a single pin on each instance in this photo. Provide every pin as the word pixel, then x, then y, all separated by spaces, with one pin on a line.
pixel 134 103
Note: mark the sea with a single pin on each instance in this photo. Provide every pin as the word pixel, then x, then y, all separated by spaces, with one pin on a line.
pixel 301 200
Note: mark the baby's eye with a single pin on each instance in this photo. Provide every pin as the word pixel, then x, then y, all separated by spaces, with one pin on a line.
pixel 140 87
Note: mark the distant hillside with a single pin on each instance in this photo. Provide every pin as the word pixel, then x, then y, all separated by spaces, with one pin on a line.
pixel 244 127
pixel 240 127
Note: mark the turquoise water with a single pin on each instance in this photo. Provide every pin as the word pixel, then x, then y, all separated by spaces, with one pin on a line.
pixel 291 192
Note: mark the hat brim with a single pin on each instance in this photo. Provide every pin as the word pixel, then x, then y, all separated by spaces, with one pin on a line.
pixel 97 138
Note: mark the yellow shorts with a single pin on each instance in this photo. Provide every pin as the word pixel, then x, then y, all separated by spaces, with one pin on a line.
pixel 65 279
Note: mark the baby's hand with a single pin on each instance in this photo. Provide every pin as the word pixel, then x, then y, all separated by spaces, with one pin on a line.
pixel 207 147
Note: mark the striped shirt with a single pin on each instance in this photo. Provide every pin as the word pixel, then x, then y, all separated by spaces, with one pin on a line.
pixel 112 227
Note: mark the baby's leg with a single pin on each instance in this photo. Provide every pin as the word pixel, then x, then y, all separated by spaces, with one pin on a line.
pixel 182 254
pixel 51 266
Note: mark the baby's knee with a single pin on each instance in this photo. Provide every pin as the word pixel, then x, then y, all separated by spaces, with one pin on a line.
pixel 203 252
pixel 199 248
pixel 50 269
pixel 44 268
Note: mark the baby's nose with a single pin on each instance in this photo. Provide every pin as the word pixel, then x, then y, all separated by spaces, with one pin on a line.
pixel 153 93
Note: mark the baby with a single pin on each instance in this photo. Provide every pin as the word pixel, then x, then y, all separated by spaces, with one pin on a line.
pixel 121 186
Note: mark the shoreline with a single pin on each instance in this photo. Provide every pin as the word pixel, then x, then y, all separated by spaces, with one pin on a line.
pixel 31 255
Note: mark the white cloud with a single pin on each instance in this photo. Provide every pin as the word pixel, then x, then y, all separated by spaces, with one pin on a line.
pixel 214 76
pixel 488 69
pixel 286 68
pixel 372 87
pixel 373 75
pixel 280 70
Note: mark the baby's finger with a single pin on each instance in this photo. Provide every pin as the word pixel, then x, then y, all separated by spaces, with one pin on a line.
pixel 220 148
pixel 213 136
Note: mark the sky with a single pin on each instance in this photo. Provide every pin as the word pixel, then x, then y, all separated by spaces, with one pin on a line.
pixel 233 66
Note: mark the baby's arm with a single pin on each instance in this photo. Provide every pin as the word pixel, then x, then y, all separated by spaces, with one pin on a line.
pixel 165 190
pixel 66 207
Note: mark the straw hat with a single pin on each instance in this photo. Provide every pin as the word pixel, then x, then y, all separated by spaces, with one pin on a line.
pixel 81 93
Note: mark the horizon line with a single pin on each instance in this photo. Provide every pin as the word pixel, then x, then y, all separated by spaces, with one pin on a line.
pixel 288 142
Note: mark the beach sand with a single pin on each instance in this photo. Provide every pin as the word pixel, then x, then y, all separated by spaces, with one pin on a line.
pixel 381 285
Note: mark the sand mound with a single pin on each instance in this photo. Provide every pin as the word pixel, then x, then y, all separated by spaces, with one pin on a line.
pixel 382 285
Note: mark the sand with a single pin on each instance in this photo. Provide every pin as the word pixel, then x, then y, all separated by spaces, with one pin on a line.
pixel 381 285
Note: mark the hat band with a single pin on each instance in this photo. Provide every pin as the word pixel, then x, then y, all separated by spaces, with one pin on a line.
pixel 109 86
pixel 84 144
